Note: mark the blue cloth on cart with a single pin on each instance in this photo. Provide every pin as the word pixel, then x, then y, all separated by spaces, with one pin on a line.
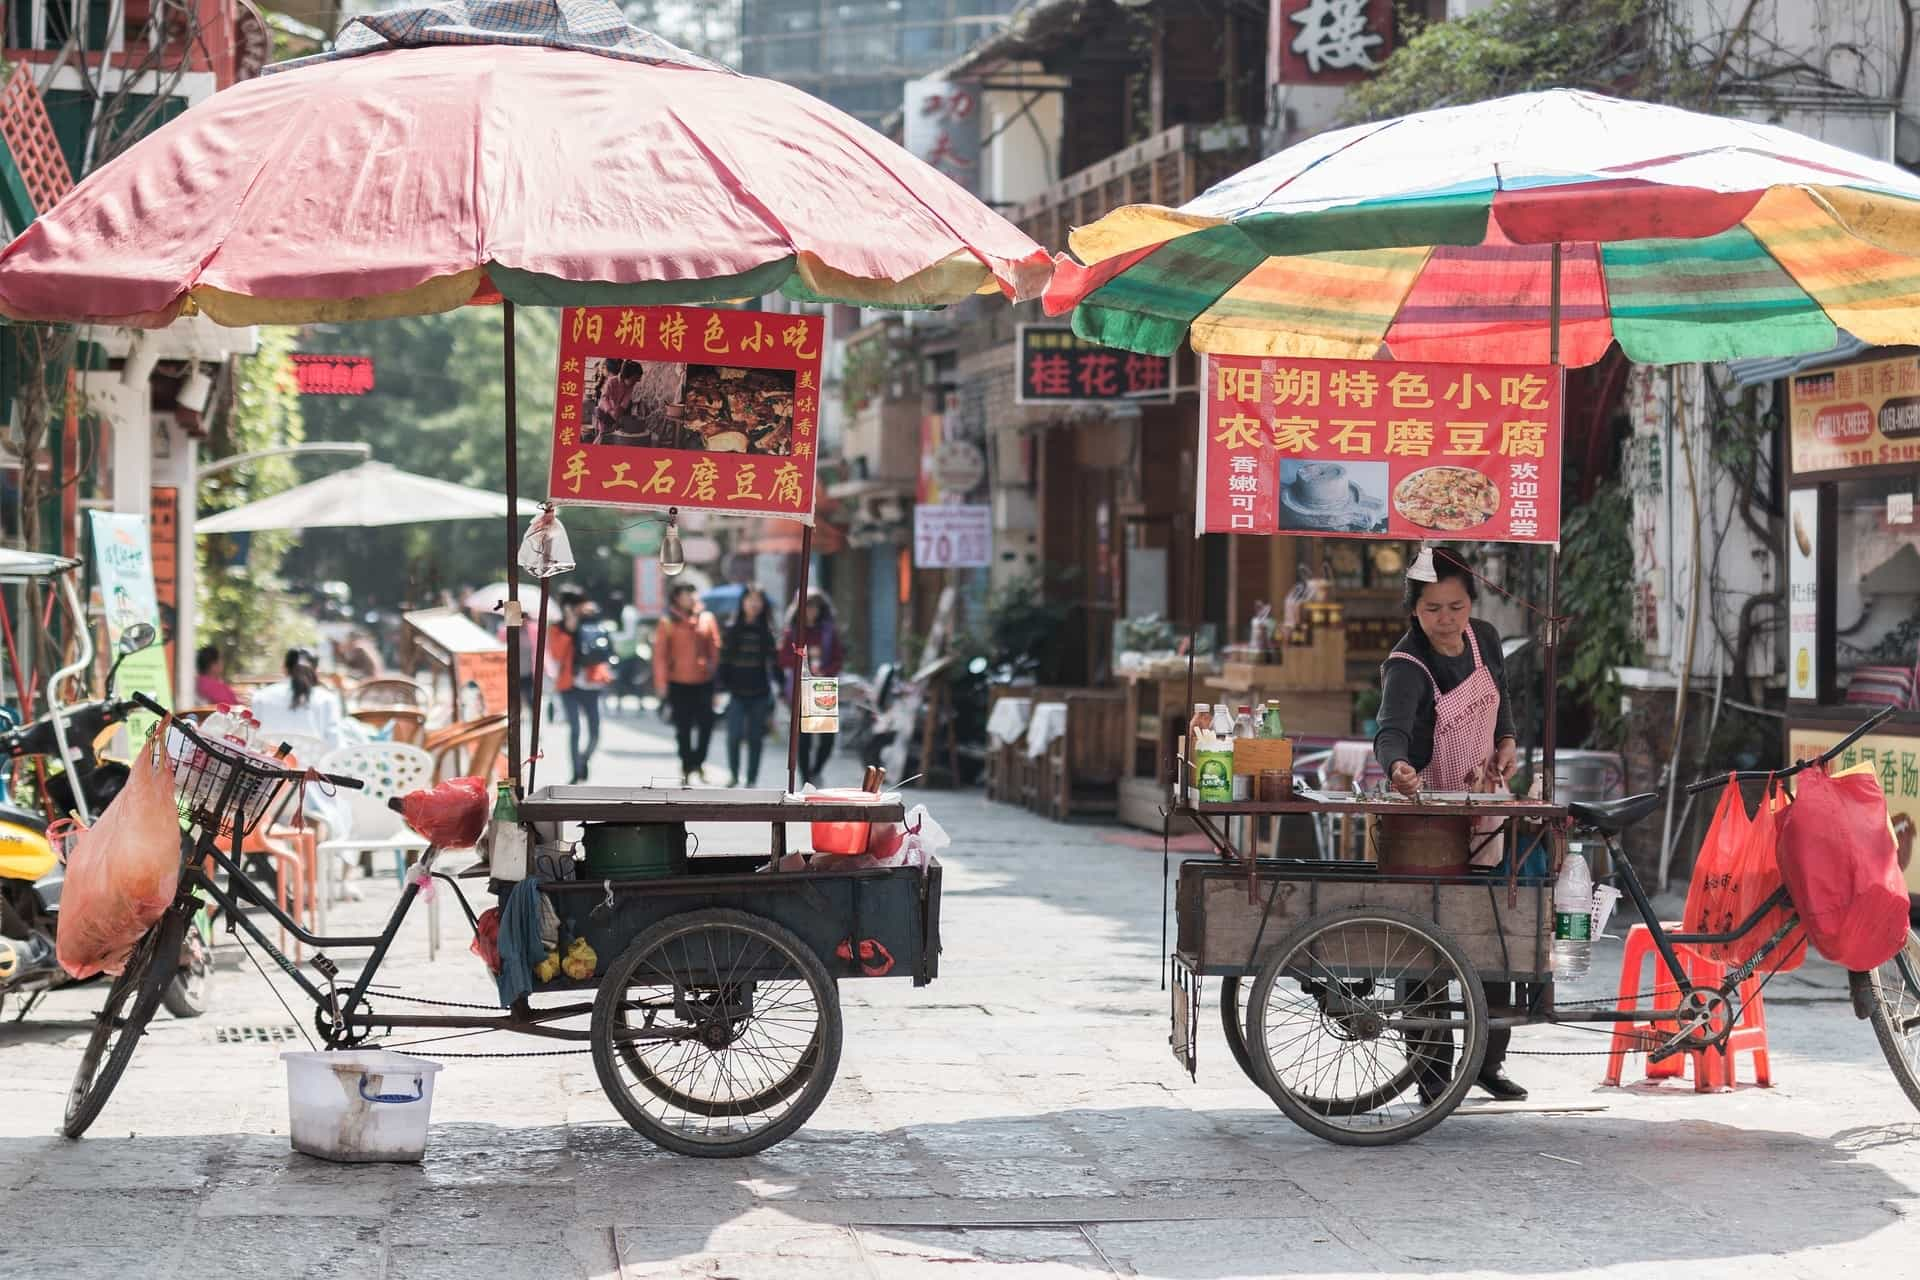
pixel 1536 861
pixel 520 945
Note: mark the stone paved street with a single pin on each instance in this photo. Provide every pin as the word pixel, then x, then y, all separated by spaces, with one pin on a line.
pixel 1021 1117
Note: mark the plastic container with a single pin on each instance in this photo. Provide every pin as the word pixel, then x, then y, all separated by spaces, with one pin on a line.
pixel 1573 919
pixel 359 1106
pixel 843 838
pixel 616 851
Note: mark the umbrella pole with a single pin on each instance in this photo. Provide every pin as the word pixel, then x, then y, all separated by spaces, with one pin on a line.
pixel 539 677
pixel 513 545
pixel 799 655
pixel 1551 666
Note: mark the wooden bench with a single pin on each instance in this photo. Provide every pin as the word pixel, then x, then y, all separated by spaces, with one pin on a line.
pixel 1081 770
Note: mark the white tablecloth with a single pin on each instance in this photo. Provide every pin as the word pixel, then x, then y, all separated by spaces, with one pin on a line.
pixel 1049 722
pixel 1009 720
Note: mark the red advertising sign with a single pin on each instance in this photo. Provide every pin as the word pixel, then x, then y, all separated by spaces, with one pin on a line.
pixel 1380 449
pixel 687 407
pixel 1329 41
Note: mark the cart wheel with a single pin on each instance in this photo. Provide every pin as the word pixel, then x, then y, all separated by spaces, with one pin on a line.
pixel 118 1026
pixel 1326 1024
pixel 1896 1014
pixel 728 1024
pixel 1233 1021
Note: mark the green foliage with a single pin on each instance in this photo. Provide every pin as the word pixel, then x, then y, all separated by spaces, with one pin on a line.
pixel 438 408
pixel 1628 48
pixel 1596 592
pixel 244 606
pixel 1022 622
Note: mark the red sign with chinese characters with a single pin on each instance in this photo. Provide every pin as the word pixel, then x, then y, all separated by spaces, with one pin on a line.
pixel 687 407
pixel 1329 41
pixel 1380 449
pixel 333 375
pixel 1057 366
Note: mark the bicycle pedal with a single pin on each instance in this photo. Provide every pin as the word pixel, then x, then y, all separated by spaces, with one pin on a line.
pixel 327 968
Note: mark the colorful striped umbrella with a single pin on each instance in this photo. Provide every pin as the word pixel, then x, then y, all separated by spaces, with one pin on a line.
pixel 540 151
pixel 1683 237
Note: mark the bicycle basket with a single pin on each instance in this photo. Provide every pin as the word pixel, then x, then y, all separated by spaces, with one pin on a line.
pixel 220 786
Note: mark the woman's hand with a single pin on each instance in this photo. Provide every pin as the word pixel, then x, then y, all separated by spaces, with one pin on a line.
pixel 1506 759
pixel 1405 779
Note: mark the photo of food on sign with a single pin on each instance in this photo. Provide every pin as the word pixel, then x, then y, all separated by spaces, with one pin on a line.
pixel 1449 499
pixel 651 404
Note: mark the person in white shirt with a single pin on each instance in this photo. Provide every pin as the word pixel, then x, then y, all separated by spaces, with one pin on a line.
pixel 301 707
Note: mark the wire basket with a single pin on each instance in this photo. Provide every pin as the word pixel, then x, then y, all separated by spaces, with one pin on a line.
pixel 219 786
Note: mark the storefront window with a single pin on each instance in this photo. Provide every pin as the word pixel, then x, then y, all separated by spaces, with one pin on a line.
pixel 1877 578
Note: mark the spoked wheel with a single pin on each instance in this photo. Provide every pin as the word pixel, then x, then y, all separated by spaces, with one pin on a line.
pixel 1355 1006
pixel 186 996
pixel 717 1033
pixel 1233 1023
pixel 1234 994
pixel 1896 1014
pixel 117 1028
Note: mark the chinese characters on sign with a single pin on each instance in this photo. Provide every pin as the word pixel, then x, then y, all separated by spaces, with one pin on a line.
pixel 1897 762
pixel 1803 594
pixel 1382 449
pixel 1859 415
pixel 1330 41
pixel 333 375
pixel 687 407
pixel 941 125
pixel 1057 366
pixel 952 537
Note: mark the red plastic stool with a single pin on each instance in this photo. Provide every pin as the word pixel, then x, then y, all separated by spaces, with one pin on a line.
pixel 1713 1069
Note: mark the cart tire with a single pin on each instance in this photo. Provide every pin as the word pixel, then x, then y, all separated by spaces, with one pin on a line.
pixel 152 966
pixel 1896 1014
pixel 1338 1068
pixel 1233 1016
pixel 755 1080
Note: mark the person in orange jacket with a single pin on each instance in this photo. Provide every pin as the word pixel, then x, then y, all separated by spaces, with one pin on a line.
pixel 686 657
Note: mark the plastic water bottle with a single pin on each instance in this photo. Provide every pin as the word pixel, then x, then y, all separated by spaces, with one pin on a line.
pixel 1573 919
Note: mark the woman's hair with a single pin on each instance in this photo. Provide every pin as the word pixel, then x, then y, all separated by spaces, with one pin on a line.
pixel 206 658
pixel 303 673
pixel 814 596
pixel 762 623
pixel 1445 565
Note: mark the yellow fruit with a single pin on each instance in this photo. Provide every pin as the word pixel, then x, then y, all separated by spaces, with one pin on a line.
pixel 581 960
pixel 547 970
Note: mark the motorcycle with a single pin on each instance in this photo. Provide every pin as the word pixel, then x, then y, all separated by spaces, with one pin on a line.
pixel 892 715
pixel 31 870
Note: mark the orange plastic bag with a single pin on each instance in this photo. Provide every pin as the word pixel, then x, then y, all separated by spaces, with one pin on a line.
pixel 1838 856
pixel 123 871
pixel 1710 895
pixel 1756 874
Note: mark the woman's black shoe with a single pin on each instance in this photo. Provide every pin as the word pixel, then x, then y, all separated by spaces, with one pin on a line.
pixel 1495 1082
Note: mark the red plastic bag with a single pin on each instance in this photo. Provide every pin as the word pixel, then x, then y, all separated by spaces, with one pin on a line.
pixel 1838 857
pixel 1756 875
pixel 451 815
pixel 123 871
pixel 1710 895
pixel 486 940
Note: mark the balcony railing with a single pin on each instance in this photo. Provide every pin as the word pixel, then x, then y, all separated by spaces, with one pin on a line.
pixel 1169 168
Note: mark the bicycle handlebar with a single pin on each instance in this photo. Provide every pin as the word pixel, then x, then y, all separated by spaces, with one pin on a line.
pixel 291 775
pixel 1760 775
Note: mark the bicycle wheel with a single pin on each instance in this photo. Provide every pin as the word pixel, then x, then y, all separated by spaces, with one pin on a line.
pixel 1233 1021
pixel 1896 1014
pixel 742 1022
pixel 143 982
pixel 187 995
pixel 1326 1025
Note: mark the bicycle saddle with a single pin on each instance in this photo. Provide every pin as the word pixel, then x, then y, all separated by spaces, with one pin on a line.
pixel 1614 816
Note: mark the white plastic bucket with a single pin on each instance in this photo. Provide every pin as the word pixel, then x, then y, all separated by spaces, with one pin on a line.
pixel 359 1105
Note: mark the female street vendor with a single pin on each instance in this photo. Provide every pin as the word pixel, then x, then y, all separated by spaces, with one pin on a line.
pixel 1445 722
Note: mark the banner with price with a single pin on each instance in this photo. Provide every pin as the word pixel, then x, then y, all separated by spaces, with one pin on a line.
pixel 952 537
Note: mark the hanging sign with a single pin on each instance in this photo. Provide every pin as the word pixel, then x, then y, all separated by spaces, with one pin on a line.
pixel 1379 449
pixel 660 407
pixel 952 537
pixel 1058 366
pixel 123 561
pixel 1859 415
pixel 319 375
pixel 1803 594
pixel 1328 41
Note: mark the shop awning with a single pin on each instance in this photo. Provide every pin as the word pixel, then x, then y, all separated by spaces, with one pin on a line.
pixel 1763 369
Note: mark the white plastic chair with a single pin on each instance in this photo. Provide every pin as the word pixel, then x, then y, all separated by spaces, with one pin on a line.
pixel 388 769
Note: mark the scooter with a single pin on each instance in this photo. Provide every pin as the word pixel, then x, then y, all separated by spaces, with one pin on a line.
pixel 31 872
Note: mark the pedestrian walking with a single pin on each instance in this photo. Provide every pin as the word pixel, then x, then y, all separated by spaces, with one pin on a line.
pixel 580 662
pixel 686 654
pixel 747 663
pixel 819 635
